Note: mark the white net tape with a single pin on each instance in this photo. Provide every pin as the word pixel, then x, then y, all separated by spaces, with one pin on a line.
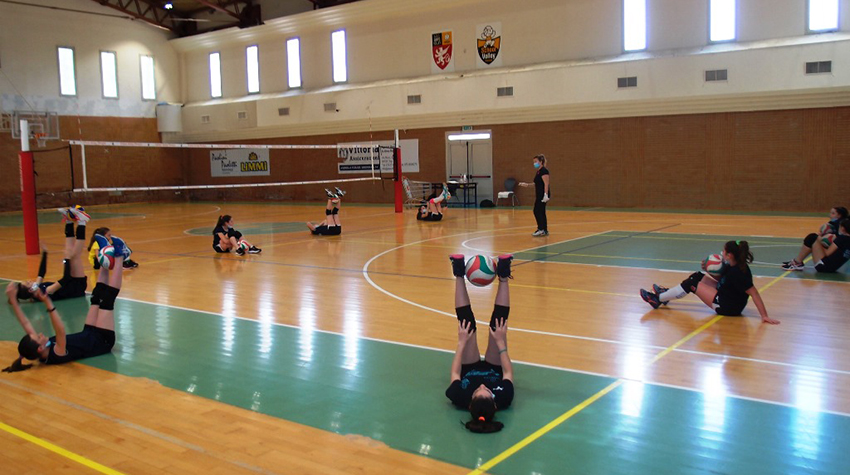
pixel 376 153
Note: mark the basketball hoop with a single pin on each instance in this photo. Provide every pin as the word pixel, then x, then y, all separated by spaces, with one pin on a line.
pixel 41 139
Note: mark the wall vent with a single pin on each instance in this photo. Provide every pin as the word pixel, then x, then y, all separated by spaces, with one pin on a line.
pixel 283 111
pixel 716 75
pixel 505 91
pixel 205 119
pixel 330 107
pixel 417 99
pixel 242 115
pixel 630 81
pixel 819 67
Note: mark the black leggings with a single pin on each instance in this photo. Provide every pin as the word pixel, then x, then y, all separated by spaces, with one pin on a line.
pixel 540 214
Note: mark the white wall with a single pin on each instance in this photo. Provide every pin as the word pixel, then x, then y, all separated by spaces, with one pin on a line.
pixel 29 37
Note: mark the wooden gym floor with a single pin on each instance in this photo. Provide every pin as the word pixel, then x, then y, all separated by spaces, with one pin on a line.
pixel 331 355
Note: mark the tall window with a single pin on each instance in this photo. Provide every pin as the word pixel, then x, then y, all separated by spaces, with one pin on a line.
pixel 108 75
pixel 67 79
pixel 634 25
pixel 215 75
pixel 722 20
pixel 253 60
pixel 338 46
pixel 293 62
pixel 823 15
pixel 148 78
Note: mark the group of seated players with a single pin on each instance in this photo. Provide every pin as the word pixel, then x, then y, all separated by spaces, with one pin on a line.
pixel 480 385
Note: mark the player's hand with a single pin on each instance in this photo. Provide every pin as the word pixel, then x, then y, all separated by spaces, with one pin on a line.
pixel 522 184
pixel 38 294
pixel 545 198
pixel 500 334
pixel 768 320
pixel 463 331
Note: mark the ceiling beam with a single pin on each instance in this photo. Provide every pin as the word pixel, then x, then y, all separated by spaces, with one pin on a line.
pixel 222 7
pixel 144 10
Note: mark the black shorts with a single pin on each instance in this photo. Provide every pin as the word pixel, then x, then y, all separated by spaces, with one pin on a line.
pixel 218 249
pixel 100 340
pixel 327 231
pixel 481 366
pixel 726 311
pixel 829 265
pixel 72 287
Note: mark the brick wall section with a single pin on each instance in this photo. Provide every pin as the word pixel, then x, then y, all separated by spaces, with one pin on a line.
pixel 795 160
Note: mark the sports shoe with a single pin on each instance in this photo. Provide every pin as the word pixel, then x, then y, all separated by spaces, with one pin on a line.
pixel 130 264
pixel 658 291
pixel 240 252
pixel 254 250
pixel 101 240
pixel 793 266
pixel 66 215
pixel 80 215
pixel 120 247
pixel 539 232
pixel 503 267
pixel 458 265
pixel 330 194
pixel 650 298
pixel 339 193
pixel 545 233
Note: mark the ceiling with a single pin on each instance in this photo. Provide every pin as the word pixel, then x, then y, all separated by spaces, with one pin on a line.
pixel 190 17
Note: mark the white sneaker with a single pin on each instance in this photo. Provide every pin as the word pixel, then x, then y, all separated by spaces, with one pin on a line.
pixel 539 232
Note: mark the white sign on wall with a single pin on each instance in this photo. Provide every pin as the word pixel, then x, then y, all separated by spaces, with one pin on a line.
pixel 358 158
pixel 442 54
pixel 240 162
pixel 488 45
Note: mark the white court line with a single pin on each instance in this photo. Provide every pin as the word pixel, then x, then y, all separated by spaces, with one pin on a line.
pixel 463 244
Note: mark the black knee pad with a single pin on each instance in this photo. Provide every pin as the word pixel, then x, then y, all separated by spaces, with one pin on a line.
pixel 690 284
pixel 327 212
pixel 97 293
pixel 81 232
pixel 335 211
pixel 499 312
pixel 108 296
pixel 465 314
pixel 810 240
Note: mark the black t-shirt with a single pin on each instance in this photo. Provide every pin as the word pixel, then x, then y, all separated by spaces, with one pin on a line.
pixel 216 231
pixel 460 391
pixel 841 256
pixel 539 186
pixel 833 225
pixel 87 343
pixel 732 288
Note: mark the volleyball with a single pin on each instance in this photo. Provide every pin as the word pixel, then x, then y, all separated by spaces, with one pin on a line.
pixel 243 244
pixel 826 240
pixel 713 264
pixel 106 257
pixel 825 229
pixel 481 270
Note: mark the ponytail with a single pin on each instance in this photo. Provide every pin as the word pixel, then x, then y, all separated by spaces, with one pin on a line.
pixel 17 365
pixel 541 158
pixel 97 232
pixel 223 219
pixel 483 410
pixel 741 251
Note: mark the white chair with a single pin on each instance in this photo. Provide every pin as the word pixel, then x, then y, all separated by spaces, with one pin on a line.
pixel 508 194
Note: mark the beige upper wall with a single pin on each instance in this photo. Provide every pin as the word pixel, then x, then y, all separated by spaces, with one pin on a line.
pixel 29 37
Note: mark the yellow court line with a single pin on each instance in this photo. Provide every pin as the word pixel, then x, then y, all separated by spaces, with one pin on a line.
pixel 587 402
pixel 59 450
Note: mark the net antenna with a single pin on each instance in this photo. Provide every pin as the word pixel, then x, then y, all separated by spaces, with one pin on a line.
pixel 87 145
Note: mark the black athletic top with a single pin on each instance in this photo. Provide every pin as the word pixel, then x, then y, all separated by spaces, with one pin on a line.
pixel 92 341
pixel 732 288
pixel 539 186
pixel 833 225
pixel 216 231
pixel 838 258
pixel 474 375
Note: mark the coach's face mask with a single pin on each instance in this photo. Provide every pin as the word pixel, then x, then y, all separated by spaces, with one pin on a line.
pixel 536 164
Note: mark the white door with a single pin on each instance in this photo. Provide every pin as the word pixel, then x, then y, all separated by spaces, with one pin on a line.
pixel 473 158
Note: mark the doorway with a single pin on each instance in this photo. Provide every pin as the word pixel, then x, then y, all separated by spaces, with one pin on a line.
pixel 470 153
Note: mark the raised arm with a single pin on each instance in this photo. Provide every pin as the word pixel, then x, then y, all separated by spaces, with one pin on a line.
pixel 56 321
pixel 500 334
pixel 11 292
pixel 463 336
pixel 754 293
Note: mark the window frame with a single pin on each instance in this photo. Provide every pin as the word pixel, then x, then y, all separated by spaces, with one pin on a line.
pixel 810 31
pixel 288 74
pixel 73 69
pixel 142 76
pixel 248 70
pixel 102 83
pixel 734 26
pixel 344 59
pixel 645 28
pixel 210 71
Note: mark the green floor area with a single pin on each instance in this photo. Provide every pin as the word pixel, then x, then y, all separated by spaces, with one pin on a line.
pixel 394 394
pixel 252 229
pixel 670 251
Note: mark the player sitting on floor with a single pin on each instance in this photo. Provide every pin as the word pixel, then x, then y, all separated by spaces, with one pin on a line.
pixel 93 248
pixel 98 335
pixel 830 231
pixel 227 238
pixel 482 386
pixel 828 259
pixel 73 282
pixel 726 296
pixel 331 226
